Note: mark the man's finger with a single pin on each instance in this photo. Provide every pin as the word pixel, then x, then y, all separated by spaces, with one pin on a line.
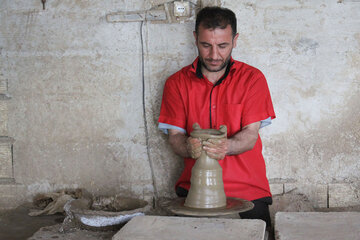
pixel 209 144
pixel 211 150
pixel 196 150
pixel 216 140
pixel 216 156
pixel 194 147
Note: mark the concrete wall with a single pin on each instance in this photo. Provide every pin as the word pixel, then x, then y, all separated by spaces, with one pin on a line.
pixel 77 106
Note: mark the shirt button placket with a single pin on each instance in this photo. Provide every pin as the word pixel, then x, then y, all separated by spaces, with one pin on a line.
pixel 214 109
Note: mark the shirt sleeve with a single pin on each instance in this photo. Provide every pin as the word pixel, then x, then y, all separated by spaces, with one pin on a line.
pixel 258 105
pixel 265 122
pixel 172 109
pixel 165 127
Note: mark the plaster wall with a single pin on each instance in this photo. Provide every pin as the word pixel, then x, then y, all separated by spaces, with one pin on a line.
pixel 77 108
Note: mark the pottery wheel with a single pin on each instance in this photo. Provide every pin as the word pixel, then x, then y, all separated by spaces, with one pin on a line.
pixel 206 196
pixel 233 205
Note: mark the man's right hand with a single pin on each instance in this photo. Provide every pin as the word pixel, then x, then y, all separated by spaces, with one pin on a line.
pixel 194 147
pixel 183 145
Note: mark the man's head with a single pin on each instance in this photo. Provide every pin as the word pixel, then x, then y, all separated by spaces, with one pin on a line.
pixel 216 36
pixel 216 17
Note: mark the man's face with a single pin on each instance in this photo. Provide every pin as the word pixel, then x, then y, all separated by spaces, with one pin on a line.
pixel 215 46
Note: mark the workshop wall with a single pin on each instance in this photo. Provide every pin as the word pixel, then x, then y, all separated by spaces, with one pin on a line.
pixel 81 96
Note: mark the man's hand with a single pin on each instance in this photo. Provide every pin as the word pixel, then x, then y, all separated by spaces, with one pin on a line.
pixel 184 146
pixel 216 148
pixel 240 142
pixel 193 146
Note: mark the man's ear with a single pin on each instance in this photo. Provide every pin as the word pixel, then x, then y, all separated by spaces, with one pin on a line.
pixel 235 40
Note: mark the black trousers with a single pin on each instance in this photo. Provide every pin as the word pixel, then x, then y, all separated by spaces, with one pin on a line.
pixel 260 210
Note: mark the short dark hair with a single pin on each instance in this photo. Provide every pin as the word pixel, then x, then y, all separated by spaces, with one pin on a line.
pixel 216 17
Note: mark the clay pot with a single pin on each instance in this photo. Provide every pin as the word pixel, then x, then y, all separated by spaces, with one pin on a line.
pixel 207 187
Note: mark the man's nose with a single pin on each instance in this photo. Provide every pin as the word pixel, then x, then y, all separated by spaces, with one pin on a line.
pixel 213 53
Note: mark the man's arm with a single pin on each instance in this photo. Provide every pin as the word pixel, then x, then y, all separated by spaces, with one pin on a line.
pixel 177 141
pixel 184 146
pixel 242 141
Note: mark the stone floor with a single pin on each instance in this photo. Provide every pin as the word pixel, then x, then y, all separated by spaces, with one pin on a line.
pixel 52 232
pixel 17 225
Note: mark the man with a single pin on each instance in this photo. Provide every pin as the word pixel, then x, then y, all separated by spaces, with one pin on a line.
pixel 217 90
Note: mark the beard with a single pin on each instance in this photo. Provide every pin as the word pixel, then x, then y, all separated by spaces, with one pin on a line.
pixel 212 69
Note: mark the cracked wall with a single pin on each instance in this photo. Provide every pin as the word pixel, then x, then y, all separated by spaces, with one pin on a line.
pixel 76 108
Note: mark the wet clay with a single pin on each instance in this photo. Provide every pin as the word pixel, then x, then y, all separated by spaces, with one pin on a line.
pixel 207 187
pixel 206 197
pixel 233 206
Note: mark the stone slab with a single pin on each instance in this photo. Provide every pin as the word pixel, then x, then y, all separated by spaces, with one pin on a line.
pixel 186 228
pixel 317 225
pixel 343 195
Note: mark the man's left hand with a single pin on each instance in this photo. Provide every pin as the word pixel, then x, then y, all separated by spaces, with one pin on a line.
pixel 216 148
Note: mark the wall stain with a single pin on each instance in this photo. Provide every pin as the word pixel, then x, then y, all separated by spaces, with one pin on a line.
pixel 304 45
pixel 306 92
pixel 321 152
pixel 357 37
pixel 252 6
pixel 28 23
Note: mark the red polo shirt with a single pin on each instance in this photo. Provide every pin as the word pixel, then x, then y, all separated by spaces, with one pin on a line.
pixel 241 98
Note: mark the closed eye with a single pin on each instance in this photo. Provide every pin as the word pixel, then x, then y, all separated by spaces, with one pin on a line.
pixel 223 45
pixel 205 45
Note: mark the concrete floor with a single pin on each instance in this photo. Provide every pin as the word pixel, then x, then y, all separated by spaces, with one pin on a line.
pixel 16 224
pixel 52 232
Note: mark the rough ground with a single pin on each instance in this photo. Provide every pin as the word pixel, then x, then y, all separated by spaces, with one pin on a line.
pixel 17 225
pixel 52 232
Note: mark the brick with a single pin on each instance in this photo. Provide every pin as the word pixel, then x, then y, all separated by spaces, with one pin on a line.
pixel 316 193
pixel 288 187
pixel 344 194
pixel 3 118
pixel 6 170
pixel 11 195
pixel 3 86
pixel 276 188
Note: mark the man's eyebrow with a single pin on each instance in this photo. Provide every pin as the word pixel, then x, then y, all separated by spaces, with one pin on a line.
pixel 223 43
